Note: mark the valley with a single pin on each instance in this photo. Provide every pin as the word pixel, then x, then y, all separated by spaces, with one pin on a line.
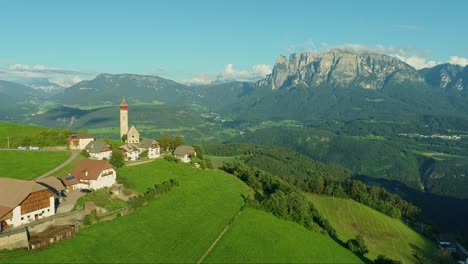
pixel 402 132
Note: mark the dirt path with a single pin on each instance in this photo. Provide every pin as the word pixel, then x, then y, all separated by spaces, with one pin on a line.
pixel 219 238
pixel 138 163
pixel 73 156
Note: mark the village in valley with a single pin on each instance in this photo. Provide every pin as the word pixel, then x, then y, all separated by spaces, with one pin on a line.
pixel 36 213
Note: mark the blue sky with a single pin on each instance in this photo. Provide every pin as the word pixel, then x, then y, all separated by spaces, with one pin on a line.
pixel 204 40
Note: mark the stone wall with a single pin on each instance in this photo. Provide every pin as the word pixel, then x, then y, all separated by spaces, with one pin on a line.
pixel 14 239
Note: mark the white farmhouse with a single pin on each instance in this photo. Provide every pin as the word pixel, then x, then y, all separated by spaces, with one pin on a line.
pixel 22 202
pixel 99 150
pixel 130 151
pixel 152 146
pixel 79 141
pixel 185 153
pixel 91 174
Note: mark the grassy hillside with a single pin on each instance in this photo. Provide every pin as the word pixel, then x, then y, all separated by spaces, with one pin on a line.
pixel 27 135
pixel 384 235
pixel 27 165
pixel 177 227
pixel 259 237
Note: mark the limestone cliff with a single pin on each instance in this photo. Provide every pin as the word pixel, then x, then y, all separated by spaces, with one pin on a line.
pixel 449 77
pixel 339 68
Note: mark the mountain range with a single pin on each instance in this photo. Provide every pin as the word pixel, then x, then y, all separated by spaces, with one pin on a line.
pixel 335 84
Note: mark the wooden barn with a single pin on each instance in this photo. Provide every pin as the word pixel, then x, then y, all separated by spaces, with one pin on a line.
pixel 22 202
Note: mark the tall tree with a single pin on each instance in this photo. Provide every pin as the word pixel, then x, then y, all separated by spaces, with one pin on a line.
pixel 117 159
pixel 165 141
pixel 177 141
pixel 200 151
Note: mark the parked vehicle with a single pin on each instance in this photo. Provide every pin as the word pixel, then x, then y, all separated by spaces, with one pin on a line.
pixel 22 148
pixel 33 148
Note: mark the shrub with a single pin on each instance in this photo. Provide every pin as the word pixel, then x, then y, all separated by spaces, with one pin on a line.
pixel 91 218
pixel 381 259
pixel 172 159
pixel 84 153
pixel 357 245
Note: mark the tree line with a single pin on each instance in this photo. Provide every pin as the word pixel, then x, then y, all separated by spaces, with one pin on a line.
pixel 279 198
pixel 316 177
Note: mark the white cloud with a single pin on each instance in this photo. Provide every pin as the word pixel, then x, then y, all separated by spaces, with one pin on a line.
pixel 200 79
pixel 258 71
pixel 229 73
pixel 65 81
pixel 32 74
pixel 409 55
pixel 307 46
pixel 458 60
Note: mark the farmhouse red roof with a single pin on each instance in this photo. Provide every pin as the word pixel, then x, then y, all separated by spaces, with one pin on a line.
pixel 90 169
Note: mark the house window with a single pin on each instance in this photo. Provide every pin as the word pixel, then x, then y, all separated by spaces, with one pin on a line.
pixel 48 210
pixel 22 218
pixel 42 211
pixel 29 216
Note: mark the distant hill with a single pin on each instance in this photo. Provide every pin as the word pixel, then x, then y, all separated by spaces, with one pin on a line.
pixel 373 157
pixel 109 89
pixel 17 100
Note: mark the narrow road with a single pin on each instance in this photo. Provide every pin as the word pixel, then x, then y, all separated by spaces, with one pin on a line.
pixel 73 156
pixel 219 238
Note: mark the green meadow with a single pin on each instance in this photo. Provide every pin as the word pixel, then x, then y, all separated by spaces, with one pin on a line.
pixel 27 165
pixel 259 237
pixel 383 234
pixel 177 227
pixel 27 135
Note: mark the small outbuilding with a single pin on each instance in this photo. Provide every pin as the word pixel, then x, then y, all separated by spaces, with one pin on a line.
pixel 185 153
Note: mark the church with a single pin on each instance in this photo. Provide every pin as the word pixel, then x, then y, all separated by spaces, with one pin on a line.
pixel 133 136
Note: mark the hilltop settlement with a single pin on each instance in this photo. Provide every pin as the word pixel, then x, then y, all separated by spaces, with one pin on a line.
pixel 25 203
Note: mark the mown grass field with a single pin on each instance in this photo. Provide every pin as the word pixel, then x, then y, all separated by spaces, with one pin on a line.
pixel 383 234
pixel 27 165
pixel 177 227
pixel 259 237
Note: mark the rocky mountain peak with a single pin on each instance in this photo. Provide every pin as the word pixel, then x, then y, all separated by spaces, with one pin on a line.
pixel 338 68
pixel 449 77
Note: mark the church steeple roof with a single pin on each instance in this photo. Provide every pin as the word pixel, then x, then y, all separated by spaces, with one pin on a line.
pixel 124 102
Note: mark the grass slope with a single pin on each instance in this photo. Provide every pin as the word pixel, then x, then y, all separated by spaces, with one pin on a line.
pixel 20 134
pixel 177 227
pixel 27 165
pixel 259 237
pixel 383 235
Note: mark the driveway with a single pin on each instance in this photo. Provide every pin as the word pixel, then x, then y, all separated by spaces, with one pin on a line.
pixel 74 155
pixel 68 204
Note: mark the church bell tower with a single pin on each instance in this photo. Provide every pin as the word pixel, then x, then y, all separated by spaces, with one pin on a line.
pixel 123 117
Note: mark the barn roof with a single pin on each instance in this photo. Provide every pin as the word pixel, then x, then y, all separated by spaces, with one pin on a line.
pixel 90 169
pixel 97 146
pixel 147 143
pixel 13 192
pixel 183 150
pixel 52 183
